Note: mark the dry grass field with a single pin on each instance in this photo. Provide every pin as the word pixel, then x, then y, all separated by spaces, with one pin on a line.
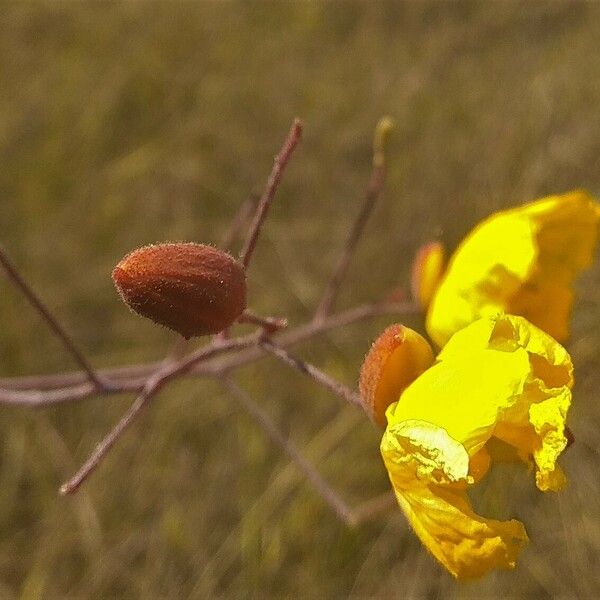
pixel 123 124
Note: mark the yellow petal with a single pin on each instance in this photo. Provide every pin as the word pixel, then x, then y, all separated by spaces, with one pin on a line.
pixel 429 470
pixel 503 378
pixel 396 359
pixel 467 398
pixel 548 419
pixel 521 261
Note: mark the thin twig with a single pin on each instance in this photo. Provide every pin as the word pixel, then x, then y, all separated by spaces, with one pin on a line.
pixel 154 383
pixel 281 161
pixel 329 495
pixel 374 188
pixel 103 448
pixel 227 241
pixel 319 376
pixel 269 324
pixel 56 327
pixel 46 398
pixel 39 390
pixel 374 507
pixel 240 219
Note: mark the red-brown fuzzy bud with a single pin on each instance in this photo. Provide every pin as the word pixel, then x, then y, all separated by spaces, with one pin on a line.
pixel 191 288
pixel 396 358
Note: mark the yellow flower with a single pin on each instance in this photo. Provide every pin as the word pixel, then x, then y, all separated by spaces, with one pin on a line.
pixel 520 261
pixel 500 388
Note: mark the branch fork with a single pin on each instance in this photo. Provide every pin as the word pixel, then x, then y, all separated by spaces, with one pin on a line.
pixel 223 354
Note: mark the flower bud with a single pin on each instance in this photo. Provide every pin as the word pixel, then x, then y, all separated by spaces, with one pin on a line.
pixel 191 288
pixel 396 358
pixel 427 271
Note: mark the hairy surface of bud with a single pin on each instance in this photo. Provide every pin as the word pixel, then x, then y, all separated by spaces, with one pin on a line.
pixel 191 288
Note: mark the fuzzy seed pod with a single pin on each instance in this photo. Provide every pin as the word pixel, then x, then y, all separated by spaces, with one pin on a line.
pixel 191 288
pixel 396 358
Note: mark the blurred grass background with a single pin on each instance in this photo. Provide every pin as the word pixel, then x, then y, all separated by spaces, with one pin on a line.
pixel 124 124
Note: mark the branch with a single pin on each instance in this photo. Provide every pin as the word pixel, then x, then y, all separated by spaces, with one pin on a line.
pixel 329 495
pixel 57 328
pixel 281 161
pixel 41 390
pixel 374 507
pixel 103 448
pixel 351 516
pixel 154 383
pixel 319 376
pixel 147 380
pixel 376 184
pixel 239 220
pixel 269 324
pixel 43 399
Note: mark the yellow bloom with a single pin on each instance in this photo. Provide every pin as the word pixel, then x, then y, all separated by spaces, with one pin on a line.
pixel 499 384
pixel 521 261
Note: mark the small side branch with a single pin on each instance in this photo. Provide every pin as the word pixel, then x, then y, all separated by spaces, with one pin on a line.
pixel 56 327
pixel 39 390
pixel 231 235
pixel 372 508
pixel 281 161
pixel 104 447
pixel 46 398
pixel 339 389
pixel 376 184
pixel 329 495
pixel 269 324
pixel 153 384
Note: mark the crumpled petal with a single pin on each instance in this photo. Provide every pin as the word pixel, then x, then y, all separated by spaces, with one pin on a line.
pixel 500 390
pixel 428 470
pixel 466 398
pixel 520 261
pixel 534 421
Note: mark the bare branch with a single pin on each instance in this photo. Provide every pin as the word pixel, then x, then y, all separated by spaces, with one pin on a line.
pixel 351 516
pixel 374 507
pixel 102 449
pixel 154 383
pixel 240 219
pixel 372 194
pixel 148 379
pixel 281 161
pixel 319 376
pixel 329 495
pixel 57 328
pixel 69 386
pixel 42 399
pixel 269 324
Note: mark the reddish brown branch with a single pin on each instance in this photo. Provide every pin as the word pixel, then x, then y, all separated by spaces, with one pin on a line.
pixel 351 516
pixel 147 380
pixel 319 376
pixel 103 448
pixel 329 495
pixel 281 161
pixel 154 383
pixel 57 328
pixel 374 189
pixel 240 219
pixel 269 324
pixel 42 390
